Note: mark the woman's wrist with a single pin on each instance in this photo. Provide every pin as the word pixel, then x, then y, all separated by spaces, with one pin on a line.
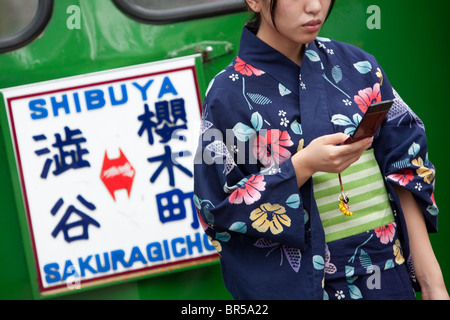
pixel 432 284
pixel 302 170
pixel 435 291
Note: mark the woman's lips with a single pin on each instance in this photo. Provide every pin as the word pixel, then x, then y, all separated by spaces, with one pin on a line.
pixel 313 25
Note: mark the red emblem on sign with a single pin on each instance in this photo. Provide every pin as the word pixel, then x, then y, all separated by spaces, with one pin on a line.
pixel 117 174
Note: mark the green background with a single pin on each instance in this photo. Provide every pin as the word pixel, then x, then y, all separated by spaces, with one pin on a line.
pixel 412 46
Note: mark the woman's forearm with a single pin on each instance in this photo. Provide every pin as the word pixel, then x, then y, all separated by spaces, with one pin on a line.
pixel 426 266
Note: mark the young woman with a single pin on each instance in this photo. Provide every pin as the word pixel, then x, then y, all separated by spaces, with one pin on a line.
pixel 272 166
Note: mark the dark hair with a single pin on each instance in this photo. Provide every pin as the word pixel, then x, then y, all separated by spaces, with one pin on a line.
pixel 273 4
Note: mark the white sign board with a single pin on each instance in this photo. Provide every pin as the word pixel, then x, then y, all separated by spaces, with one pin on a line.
pixel 106 163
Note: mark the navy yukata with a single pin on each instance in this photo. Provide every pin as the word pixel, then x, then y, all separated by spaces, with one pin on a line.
pixel 272 243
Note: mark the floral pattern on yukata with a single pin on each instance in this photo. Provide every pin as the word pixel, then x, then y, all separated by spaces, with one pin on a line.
pixel 246 192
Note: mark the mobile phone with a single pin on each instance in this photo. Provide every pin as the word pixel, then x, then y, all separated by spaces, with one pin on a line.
pixel 371 121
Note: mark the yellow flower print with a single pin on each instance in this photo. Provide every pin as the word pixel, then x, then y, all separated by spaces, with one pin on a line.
pixel 398 252
pixel 301 144
pixel 270 216
pixel 216 244
pixel 379 75
pixel 426 173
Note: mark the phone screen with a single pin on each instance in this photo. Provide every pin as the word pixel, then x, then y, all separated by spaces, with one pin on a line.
pixel 371 121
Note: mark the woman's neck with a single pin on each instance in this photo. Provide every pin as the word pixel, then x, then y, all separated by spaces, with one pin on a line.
pixel 293 51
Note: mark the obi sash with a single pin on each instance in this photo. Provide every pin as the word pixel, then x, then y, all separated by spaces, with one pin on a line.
pixel 369 199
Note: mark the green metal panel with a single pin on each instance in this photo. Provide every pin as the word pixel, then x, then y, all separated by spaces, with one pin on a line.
pixel 412 46
pixel 107 39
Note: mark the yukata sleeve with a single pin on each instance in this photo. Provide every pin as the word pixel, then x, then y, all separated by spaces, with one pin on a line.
pixel 402 152
pixel 232 196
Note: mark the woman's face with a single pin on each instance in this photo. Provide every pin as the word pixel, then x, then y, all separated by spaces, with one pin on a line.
pixel 297 22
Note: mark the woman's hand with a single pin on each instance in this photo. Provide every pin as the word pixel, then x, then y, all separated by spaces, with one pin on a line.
pixel 327 154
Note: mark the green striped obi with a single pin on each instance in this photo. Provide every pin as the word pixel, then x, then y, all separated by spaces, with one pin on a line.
pixel 369 200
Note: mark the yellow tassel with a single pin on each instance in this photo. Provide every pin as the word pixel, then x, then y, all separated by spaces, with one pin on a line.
pixel 343 206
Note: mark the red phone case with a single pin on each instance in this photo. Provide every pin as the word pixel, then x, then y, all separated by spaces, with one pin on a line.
pixel 371 121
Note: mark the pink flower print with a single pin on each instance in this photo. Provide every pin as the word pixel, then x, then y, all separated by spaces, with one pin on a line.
pixel 403 177
pixel 246 69
pixel 270 148
pixel 248 190
pixel 386 233
pixel 203 224
pixel 367 97
pixel 329 268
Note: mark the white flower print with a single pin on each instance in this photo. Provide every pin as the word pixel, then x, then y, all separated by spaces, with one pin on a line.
pixel 275 170
pixel 284 122
pixel 330 51
pixel 339 294
pixel 234 149
pixel 234 77
pixel 418 186
pixel 302 85
pixel 347 102
pixel 281 113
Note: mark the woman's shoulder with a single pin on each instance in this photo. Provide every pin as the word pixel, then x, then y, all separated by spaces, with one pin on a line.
pixel 230 83
pixel 342 50
pixel 224 80
pixel 224 94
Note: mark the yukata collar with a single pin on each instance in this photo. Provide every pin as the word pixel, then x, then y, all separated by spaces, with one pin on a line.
pixel 260 55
